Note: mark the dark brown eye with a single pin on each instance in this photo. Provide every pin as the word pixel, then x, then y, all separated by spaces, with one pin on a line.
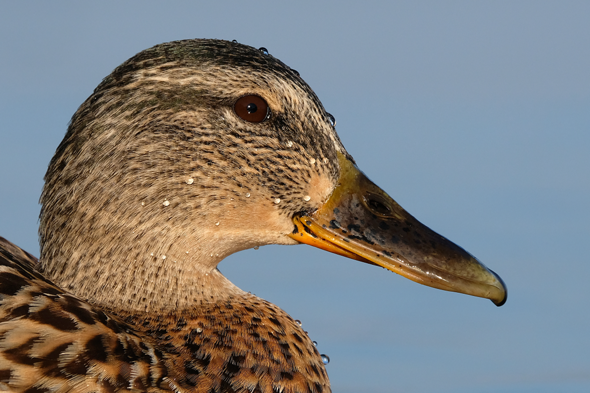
pixel 252 108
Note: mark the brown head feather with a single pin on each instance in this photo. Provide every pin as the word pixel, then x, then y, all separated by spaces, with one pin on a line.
pixel 156 158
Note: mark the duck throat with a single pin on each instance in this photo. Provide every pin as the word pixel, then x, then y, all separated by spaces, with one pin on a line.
pixel 120 273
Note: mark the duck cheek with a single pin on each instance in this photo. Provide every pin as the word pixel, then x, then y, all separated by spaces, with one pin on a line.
pixel 253 224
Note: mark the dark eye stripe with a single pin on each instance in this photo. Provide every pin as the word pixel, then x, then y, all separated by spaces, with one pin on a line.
pixel 252 108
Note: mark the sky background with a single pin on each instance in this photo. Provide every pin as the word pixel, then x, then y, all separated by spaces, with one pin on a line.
pixel 473 115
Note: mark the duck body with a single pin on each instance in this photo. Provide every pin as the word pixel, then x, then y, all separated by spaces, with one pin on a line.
pixel 186 153
pixel 54 342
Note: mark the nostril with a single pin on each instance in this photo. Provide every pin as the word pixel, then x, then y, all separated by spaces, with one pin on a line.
pixel 377 205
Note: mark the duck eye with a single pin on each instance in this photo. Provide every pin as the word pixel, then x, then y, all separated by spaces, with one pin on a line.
pixel 252 108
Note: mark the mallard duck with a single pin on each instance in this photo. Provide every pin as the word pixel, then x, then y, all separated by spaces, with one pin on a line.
pixel 186 153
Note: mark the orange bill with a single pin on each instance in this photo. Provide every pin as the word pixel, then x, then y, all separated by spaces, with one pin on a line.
pixel 360 221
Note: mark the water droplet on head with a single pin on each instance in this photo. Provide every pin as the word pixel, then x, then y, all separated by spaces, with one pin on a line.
pixel 163 256
pixel 312 161
pixel 199 330
pixel 295 71
pixel 142 203
pixel 166 203
pixel 315 343
pixel 289 144
pixel 331 119
pixel 278 200
pixel 326 160
pixel 234 41
pixel 152 254
pixel 298 322
pixel 263 50
pixel 190 180
pixel 187 252
pixel 217 223
pixel 325 358
pixel 256 247
pixel 248 195
pixel 306 198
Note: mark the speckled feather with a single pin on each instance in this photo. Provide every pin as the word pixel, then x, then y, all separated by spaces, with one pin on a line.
pixel 156 181
pixel 53 342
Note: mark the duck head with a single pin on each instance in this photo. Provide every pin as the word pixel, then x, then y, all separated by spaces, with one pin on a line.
pixel 193 150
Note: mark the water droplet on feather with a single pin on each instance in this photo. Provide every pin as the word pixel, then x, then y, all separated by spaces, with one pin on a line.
pixel 332 120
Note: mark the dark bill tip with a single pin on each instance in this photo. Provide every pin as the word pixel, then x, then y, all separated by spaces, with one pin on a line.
pixel 500 303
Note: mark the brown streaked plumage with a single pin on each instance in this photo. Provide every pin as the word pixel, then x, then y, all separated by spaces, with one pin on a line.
pixel 52 341
pixel 156 181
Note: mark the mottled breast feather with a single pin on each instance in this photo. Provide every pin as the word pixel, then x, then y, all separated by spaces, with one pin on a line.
pixel 50 341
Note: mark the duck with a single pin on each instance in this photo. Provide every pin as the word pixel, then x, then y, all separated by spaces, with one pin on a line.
pixel 186 153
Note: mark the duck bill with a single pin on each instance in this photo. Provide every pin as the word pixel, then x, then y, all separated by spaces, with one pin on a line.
pixel 360 221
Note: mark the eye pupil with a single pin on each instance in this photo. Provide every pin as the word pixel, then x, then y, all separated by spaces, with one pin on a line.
pixel 252 108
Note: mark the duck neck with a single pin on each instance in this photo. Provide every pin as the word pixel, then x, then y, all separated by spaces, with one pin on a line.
pixel 122 272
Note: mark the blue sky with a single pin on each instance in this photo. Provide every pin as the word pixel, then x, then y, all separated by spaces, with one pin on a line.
pixel 474 116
